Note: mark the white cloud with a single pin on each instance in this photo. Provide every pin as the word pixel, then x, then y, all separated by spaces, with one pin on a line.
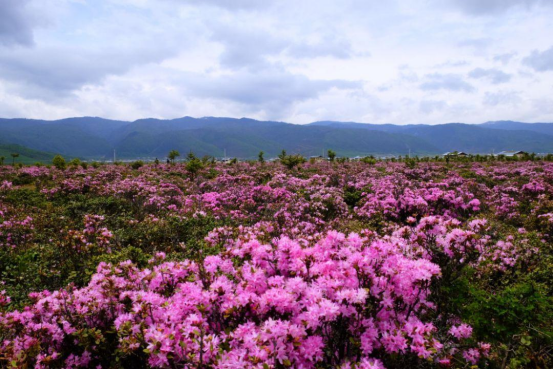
pixel 495 76
pixel 450 81
pixel 510 98
pixel 398 61
pixel 504 58
pixel 540 61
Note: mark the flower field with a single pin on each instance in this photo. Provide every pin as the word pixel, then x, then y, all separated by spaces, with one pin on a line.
pixel 254 265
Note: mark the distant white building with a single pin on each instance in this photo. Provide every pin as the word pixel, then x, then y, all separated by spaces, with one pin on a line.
pixel 512 153
pixel 455 154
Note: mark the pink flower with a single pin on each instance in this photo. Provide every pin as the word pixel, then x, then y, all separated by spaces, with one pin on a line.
pixel 461 332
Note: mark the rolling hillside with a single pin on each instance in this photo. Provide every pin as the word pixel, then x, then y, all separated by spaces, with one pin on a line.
pixel 26 155
pixel 93 137
pixel 484 138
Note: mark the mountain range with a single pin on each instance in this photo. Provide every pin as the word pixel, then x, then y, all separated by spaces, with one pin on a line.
pixel 96 138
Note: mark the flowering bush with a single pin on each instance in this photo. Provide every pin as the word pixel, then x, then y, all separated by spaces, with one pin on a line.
pixel 254 265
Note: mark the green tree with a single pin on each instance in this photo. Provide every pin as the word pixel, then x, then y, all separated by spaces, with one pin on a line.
pixel 193 164
pixel 369 160
pixel 410 162
pixel 14 156
pixel 173 154
pixel 136 165
pixel 291 161
pixel 59 162
pixel 207 159
pixel 331 155
pixel 260 158
pixel 191 156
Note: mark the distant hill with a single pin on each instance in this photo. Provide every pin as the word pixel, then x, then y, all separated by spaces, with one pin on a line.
pixel 26 155
pixel 96 138
pixel 79 137
pixel 482 138
pixel 544 128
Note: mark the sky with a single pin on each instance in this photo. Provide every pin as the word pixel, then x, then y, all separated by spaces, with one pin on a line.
pixel 298 61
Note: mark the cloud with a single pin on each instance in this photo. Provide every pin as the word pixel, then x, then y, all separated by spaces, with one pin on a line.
pixel 430 106
pixel 16 27
pixel 451 82
pixel 453 63
pixel 495 76
pixel 269 90
pixel 247 48
pixel 244 48
pixel 330 46
pixel 230 5
pixel 477 44
pixel 488 7
pixel 502 98
pixel 540 61
pixel 292 60
pixel 504 58
pixel 49 72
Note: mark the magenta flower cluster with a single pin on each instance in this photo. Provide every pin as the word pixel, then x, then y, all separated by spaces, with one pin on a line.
pixel 330 268
pixel 340 301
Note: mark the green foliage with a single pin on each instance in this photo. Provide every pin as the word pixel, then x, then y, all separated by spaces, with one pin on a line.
pixel 50 260
pixel 207 159
pixel 134 254
pixel 291 161
pixel 513 312
pixel 26 198
pixel 14 156
pixel 193 164
pixel 352 196
pixel 331 155
pixel 368 160
pixel 173 154
pixel 23 179
pixel 75 162
pixel 59 162
pixel 75 206
pixel 513 307
pixel 136 165
pixel 522 324
pixel 410 162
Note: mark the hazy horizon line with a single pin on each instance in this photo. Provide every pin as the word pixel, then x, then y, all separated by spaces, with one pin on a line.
pixel 268 120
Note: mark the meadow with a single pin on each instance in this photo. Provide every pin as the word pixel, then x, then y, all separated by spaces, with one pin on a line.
pixel 422 264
